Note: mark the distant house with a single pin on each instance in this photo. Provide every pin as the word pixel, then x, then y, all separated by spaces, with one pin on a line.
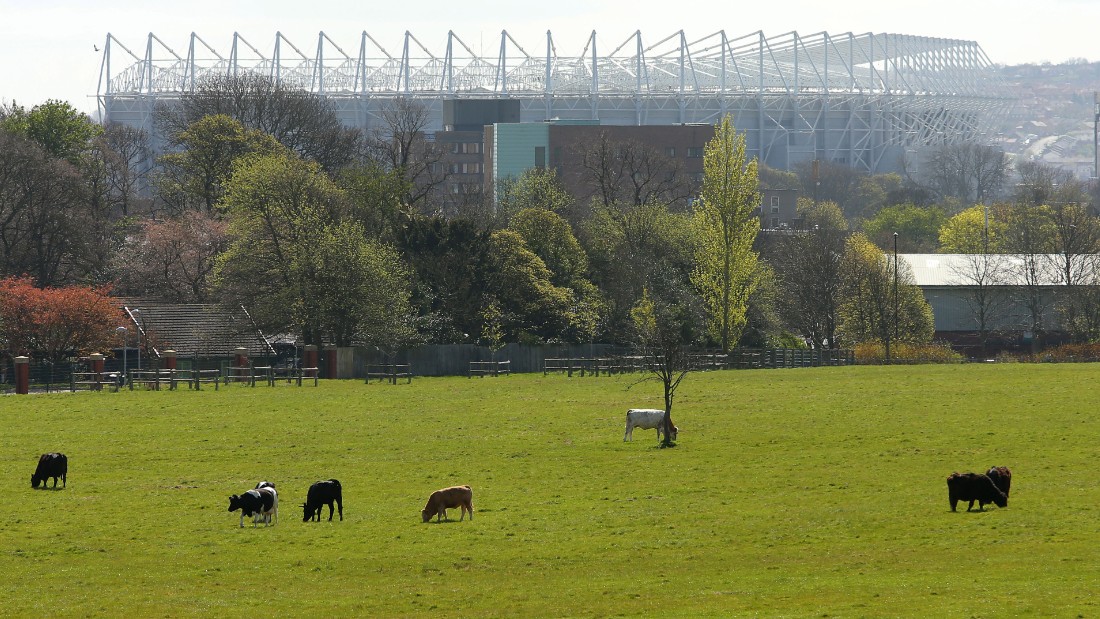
pixel 779 209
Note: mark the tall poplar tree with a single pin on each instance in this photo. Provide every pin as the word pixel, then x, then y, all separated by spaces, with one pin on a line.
pixel 726 226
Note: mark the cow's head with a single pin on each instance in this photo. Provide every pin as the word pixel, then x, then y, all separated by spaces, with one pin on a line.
pixel 1000 500
pixel 35 480
pixel 306 515
pixel 675 431
pixel 234 503
pixel 426 514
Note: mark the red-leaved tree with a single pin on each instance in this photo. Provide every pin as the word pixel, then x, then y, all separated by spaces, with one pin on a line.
pixel 55 323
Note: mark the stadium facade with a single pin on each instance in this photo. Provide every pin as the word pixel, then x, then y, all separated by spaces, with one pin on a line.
pixel 863 100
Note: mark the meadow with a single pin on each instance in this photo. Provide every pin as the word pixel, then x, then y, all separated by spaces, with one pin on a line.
pixel 790 493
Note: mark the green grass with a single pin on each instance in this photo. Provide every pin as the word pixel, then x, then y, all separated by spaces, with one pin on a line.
pixel 791 493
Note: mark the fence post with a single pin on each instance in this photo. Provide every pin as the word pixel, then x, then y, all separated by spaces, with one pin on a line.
pixel 169 357
pixel 23 375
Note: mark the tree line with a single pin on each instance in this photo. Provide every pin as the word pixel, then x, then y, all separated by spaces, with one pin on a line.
pixel 263 199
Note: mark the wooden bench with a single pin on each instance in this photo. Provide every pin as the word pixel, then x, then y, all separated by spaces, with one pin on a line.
pixel 390 372
pixel 489 368
pixel 94 381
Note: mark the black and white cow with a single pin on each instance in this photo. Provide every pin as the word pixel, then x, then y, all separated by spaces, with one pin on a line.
pixel 53 465
pixel 320 494
pixel 263 502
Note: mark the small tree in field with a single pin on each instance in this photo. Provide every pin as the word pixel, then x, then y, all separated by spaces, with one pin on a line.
pixel 56 322
pixel 661 331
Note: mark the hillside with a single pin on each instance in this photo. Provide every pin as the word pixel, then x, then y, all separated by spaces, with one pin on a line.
pixel 1053 118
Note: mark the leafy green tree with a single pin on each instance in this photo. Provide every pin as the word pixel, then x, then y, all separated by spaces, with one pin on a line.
pixel 196 175
pixel 354 289
pixel 536 188
pixel 532 306
pixel 377 199
pixel 492 327
pixel 448 258
pixel 726 226
pixel 551 238
pixel 877 306
pixel 975 230
pixel 627 247
pixel 277 206
pixel 56 126
pixel 917 227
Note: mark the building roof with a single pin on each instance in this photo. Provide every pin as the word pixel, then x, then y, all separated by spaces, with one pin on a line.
pixel 196 329
pixel 948 270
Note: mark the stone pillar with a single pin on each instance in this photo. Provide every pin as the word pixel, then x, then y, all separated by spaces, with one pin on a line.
pixel 23 375
pixel 95 360
pixel 330 361
pixel 240 360
pixel 309 357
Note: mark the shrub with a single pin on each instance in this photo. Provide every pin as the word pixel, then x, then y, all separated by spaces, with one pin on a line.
pixel 1070 353
pixel 870 353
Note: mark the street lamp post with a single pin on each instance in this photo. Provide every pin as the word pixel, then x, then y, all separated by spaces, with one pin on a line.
pixel 125 333
pixel 137 315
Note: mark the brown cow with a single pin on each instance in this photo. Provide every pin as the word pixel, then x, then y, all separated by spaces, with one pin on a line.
pixel 447 498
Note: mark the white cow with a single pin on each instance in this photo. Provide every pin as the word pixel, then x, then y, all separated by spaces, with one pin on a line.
pixel 646 418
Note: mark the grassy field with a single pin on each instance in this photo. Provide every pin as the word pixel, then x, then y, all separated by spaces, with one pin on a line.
pixel 791 493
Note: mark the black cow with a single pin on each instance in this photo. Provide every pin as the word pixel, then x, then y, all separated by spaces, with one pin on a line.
pixel 974 487
pixel 320 494
pixel 258 501
pixel 1002 478
pixel 53 465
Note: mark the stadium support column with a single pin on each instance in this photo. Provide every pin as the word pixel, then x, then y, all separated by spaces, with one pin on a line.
pixel 23 375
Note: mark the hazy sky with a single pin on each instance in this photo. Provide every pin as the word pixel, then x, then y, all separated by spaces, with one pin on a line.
pixel 46 46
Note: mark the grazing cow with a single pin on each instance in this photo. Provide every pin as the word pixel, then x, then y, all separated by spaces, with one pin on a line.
pixel 447 498
pixel 974 487
pixel 320 494
pixel 263 502
pixel 266 517
pixel 53 465
pixel 647 418
pixel 1002 478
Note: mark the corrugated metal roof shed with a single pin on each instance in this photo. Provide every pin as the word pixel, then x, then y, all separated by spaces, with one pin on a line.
pixel 947 270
